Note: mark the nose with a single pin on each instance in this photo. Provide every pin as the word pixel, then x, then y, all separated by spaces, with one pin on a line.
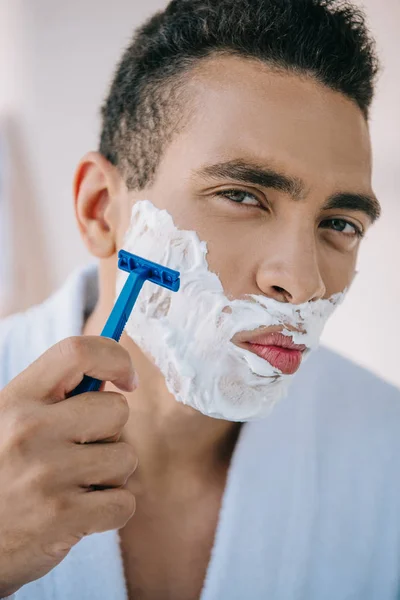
pixel 290 271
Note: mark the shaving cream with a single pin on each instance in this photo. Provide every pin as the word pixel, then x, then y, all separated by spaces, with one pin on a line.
pixel 188 333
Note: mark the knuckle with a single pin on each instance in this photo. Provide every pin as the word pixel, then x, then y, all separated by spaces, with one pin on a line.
pixel 56 507
pixel 9 394
pixel 129 504
pixel 56 551
pixel 114 511
pixel 124 507
pixel 43 475
pixel 130 456
pixel 125 363
pixel 122 406
pixel 22 427
pixel 127 358
pixel 133 462
pixel 73 350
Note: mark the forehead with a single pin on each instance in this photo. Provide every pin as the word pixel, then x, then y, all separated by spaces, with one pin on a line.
pixel 242 108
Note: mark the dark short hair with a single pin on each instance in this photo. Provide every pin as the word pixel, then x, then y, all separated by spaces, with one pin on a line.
pixel 327 39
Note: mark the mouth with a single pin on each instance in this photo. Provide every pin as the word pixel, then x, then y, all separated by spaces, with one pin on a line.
pixel 278 349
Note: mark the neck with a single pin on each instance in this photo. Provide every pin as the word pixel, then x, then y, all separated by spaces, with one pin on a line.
pixel 168 437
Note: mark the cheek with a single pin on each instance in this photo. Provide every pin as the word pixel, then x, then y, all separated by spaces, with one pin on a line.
pixel 232 242
pixel 234 251
pixel 124 220
pixel 337 270
pixel 233 267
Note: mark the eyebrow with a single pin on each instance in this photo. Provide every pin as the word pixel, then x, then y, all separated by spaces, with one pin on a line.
pixel 294 187
pixel 251 173
pixel 351 201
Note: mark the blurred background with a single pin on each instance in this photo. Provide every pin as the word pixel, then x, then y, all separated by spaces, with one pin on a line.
pixel 56 60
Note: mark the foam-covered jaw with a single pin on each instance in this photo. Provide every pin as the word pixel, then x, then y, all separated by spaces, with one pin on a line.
pixel 188 334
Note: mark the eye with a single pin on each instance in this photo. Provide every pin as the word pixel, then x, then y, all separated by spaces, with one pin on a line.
pixel 342 226
pixel 240 197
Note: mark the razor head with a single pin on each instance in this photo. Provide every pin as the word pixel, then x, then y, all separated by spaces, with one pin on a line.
pixel 150 271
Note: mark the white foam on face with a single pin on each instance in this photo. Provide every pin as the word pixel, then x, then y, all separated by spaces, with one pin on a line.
pixel 188 333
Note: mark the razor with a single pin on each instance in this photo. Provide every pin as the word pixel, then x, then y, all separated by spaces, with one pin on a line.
pixel 140 270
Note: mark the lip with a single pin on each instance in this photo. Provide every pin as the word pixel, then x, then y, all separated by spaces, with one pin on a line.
pixel 278 349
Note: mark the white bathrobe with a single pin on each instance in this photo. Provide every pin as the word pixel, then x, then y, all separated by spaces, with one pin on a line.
pixel 311 509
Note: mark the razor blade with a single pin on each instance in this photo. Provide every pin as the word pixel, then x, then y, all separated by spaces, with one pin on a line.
pixel 140 270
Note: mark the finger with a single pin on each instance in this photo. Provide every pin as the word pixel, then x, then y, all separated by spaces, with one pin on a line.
pixel 104 510
pixel 105 465
pixel 60 369
pixel 91 417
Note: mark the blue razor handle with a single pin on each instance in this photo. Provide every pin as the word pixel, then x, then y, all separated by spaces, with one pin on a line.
pixel 140 270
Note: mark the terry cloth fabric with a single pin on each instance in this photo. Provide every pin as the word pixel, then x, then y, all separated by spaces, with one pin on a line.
pixel 311 508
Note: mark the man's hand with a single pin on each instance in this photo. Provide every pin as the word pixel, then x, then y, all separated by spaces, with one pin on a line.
pixel 62 468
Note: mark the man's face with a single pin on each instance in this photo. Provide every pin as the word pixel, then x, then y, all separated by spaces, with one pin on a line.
pixel 273 171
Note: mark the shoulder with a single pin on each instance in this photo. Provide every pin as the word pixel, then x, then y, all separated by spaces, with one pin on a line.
pixel 354 410
pixel 352 386
pixel 25 336
pixel 19 343
pixel 339 421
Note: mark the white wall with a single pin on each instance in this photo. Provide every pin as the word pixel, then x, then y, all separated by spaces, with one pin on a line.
pixel 367 326
pixel 56 59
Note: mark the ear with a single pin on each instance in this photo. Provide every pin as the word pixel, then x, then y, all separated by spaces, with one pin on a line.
pixel 96 186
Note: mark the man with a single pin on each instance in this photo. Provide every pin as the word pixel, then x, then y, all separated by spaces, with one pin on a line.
pixel 235 147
